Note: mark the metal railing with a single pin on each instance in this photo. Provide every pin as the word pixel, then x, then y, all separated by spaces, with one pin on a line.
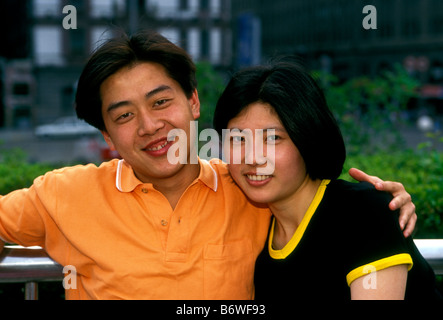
pixel 32 265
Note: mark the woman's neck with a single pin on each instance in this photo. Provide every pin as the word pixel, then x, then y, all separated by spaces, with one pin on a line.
pixel 289 212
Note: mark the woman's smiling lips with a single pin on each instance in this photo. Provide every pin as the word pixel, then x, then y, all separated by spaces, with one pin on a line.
pixel 257 180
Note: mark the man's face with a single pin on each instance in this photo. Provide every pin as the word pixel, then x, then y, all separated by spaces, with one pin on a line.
pixel 140 105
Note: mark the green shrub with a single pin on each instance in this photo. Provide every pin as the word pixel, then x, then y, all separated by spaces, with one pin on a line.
pixel 421 172
pixel 369 110
pixel 16 172
pixel 210 87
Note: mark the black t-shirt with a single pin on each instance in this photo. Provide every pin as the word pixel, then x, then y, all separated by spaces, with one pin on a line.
pixel 347 232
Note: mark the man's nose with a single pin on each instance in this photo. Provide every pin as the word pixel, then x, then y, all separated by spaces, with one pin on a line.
pixel 149 124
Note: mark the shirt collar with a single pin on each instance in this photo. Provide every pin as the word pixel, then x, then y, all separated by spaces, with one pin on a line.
pixel 126 181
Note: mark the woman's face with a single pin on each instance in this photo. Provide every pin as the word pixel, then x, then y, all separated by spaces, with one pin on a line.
pixel 289 167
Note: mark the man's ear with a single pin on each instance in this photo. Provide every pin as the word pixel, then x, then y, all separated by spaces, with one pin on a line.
pixel 108 140
pixel 195 105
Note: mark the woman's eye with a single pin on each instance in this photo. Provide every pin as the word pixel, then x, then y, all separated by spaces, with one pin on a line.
pixel 237 139
pixel 272 138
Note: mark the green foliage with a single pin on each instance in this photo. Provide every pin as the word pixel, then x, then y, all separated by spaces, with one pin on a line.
pixel 421 172
pixel 369 110
pixel 16 173
pixel 210 87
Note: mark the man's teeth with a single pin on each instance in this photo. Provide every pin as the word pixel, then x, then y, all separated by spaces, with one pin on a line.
pixel 257 177
pixel 158 147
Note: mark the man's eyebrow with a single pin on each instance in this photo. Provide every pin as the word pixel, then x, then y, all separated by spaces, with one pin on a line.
pixel 157 90
pixel 148 95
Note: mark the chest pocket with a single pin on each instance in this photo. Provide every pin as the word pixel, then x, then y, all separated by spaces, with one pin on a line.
pixel 229 270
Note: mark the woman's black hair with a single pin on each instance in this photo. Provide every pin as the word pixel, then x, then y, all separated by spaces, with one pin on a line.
pixel 301 106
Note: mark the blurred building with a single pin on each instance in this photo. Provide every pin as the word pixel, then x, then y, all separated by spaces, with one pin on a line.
pixel 329 34
pixel 57 36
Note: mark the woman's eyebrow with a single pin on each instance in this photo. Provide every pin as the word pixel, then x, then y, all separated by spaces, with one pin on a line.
pixel 273 128
pixel 264 129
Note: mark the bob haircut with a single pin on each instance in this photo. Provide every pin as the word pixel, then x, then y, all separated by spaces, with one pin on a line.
pixel 301 107
pixel 124 51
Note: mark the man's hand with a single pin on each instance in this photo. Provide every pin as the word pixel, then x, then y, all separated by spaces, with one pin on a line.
pixel 402 200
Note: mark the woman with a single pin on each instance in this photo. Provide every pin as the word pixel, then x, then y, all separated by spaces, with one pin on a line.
pixel 328 236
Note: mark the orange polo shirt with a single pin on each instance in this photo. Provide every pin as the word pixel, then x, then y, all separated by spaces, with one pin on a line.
pixel 125 241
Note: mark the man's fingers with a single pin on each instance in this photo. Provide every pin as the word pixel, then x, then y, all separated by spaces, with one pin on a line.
pixel 362 176
pixel 401 197
pixel 410 226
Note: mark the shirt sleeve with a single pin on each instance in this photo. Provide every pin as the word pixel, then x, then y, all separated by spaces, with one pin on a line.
pixel 373 239
pixel 24 216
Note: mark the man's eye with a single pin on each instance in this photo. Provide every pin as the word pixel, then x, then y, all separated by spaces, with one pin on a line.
pixel 160 102
pixel 124 116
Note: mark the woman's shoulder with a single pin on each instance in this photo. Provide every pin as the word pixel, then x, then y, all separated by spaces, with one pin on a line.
pixel 361 208
pixel 361 193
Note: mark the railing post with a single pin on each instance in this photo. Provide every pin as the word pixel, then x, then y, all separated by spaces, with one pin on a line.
pixel 31 291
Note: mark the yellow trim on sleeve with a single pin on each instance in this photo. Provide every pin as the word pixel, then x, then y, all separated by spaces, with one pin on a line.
pixel 403 258
pixel 298 234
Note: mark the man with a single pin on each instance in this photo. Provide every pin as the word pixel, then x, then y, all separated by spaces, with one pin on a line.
pixel 141 227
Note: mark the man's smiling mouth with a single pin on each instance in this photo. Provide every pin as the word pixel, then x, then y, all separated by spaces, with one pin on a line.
pixel 161 146
pixel 158 147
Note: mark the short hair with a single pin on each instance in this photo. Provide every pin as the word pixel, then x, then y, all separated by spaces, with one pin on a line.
pixel 301 106
pixel 123 51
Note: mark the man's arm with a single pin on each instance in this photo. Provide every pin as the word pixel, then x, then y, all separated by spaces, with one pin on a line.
pixel 402 200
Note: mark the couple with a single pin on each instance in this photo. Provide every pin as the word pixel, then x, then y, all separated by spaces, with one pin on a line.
pixel 143 228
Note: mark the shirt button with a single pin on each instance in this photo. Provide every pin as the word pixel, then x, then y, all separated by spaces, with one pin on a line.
pixel 144 190
pixel 164 223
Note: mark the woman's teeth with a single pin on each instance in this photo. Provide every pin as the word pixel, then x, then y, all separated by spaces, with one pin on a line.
pixel 257 177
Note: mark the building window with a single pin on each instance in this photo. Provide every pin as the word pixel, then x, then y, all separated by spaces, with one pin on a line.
pixel 21 89
pixel 215 49
pixel 106 8
pixel 48 45
pixel 215 8
pixel 193 45
pixel 47 8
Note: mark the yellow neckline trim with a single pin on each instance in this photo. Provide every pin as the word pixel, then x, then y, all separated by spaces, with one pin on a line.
pixel 298 234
